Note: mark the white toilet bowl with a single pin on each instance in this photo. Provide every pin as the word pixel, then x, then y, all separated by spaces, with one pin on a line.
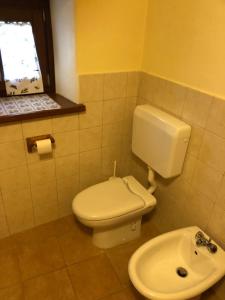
pixel 114 209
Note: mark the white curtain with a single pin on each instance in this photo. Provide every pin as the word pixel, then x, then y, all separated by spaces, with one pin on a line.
pixel 22 72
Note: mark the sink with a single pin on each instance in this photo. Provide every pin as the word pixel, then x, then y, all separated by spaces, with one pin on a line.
pixel 172 267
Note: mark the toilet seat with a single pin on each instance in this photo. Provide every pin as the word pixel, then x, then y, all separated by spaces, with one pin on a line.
pixel 111 199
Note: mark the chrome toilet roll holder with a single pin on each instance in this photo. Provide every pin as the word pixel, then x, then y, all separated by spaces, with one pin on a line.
pixel 31 141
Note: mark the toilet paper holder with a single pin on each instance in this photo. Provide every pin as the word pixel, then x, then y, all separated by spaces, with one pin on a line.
pixel 31 141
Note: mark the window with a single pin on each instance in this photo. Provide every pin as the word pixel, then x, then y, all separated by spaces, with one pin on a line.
pixel 26 50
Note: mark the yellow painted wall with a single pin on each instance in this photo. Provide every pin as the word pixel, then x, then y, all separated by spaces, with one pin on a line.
pixel 185 42
pixel 109 34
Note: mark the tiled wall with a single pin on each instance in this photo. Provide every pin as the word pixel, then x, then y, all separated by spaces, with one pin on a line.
pixel 36 190
pixel 197 197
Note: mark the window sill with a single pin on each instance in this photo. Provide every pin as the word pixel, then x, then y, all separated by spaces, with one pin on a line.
pixel 67 107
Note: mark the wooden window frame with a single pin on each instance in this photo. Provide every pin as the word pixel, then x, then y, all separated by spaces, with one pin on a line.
pixel 38 13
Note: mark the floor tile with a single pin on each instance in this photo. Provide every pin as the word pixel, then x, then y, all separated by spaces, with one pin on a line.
pixel 77 245
pixel 9 268
pixel 7 243
pixel 12 293
pixel 53 286
pixel 128 293
pixel 132 293
pixel 65 225
pixel 94 279
pixel 36 258
pixel 36 234
pixel 118 296
pixel 119 257
pixel 149 230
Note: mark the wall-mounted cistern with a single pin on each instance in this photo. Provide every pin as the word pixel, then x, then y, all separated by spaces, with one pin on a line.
pixel 201 240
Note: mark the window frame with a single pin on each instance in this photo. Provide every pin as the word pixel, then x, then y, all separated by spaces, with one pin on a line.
pixel 37 12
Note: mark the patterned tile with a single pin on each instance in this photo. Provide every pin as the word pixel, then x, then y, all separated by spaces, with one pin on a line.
pixel 26 104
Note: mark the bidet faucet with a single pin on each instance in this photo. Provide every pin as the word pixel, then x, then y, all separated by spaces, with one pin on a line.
pixel 201 240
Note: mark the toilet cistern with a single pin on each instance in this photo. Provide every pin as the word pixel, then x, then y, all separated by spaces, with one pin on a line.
pixel 160 140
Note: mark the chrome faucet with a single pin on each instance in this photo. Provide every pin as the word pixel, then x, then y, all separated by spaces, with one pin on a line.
pixel 201 240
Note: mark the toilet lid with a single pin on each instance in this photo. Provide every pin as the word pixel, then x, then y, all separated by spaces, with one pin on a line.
pixel 106 200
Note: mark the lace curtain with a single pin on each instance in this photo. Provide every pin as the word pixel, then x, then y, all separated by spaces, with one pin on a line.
pixel 21 67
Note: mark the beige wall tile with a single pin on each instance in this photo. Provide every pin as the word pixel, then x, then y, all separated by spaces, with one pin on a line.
pixel 11 132
pixel 169 212
pixel 109 155
pixel 12 154
pixel 198 208
pixel 91 87
pixel 37 127
pixel 216 225
pixel 124 167
pixel 90 160
pixel 14 179
pixel 41 172
pixel 158 91
pixel 67 166
pixel 139 170
pixel 115 85
pixel 195 141
pixel 147 86
pixel 221 194
pixel 112 134
pixel 90 168
pixel 65 123
pixel 67 188
pixel 90 178
pixel 93 115
pixel 4 230
pixel 19 210
pixel 90 138
pixel 216 119
pixel 189 168
pixel 196 107
pixel 133 81
pixel 212 151
pixel 45 202
pixel 66 143
pixel 113 110
pixel 206 180
pixel 177 188
pixel 174 98
pixel 130 104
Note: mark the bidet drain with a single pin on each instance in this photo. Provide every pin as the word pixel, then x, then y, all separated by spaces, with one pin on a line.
pixel 182 272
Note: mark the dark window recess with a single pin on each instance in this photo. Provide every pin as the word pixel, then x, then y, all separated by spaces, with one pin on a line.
pixel 32 18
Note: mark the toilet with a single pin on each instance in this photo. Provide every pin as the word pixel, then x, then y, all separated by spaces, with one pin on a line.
pixel 114 208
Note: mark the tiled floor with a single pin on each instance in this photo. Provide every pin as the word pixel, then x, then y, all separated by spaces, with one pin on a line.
pixel 58 261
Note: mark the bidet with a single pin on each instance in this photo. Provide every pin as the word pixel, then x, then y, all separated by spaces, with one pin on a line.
pixel 172 267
